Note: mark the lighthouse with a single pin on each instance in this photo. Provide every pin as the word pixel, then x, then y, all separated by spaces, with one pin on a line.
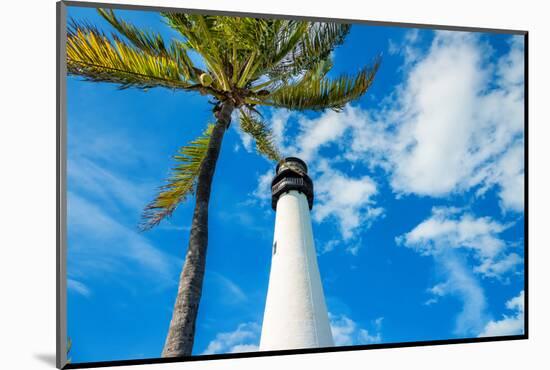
pixel 295 313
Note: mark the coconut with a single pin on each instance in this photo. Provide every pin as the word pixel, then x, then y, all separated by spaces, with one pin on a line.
pixel 205 79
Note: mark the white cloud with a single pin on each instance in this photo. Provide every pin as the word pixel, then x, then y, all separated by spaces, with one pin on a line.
pixel 279 119
pixel 378 323
pixel 451 228
pixel 455 131
pixel 243 216
pixel 411 36
pixel 169 226
pixel 118 147
pixel 87 176
pixel 243 339
pixel 78 287
pixel 317 133
pixel 346 332
pixel 508 325
pixel 492 268
pixel 354 248
pixel 509 174
pixel 244 348
pixel 98 243
pixel 463 284
pixel 343 330
pixel 511 66
pixel 407 48
pixel 329 246
pixel 263 190
pixel 228 291
pixel 346 200
pixel 431 301
pixel 347 130
pixel 452 236
pixel 366 338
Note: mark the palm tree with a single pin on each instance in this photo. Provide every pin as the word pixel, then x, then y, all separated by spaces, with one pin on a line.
pixel 248 62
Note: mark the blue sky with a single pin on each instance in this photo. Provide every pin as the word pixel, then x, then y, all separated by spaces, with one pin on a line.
pixel 418 216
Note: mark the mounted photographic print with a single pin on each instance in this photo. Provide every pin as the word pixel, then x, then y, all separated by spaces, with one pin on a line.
pixel 237 185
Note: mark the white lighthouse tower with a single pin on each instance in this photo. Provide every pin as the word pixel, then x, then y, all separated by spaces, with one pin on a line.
pixel 295 311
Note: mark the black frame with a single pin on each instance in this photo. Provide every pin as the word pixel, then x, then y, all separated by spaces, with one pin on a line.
pixel 61 171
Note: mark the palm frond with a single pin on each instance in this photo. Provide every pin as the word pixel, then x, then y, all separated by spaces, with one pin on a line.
pixel 69 348
pixel 178 51
pixel 238 51
pixel 202 35
pixel 146 41
pixel 312 92
pixel 263 136
pixel 314 46
pixel 154 44
pixel 180 184
pixel 316 71
pixel 288 37
pixel 301 50
pixel 92 55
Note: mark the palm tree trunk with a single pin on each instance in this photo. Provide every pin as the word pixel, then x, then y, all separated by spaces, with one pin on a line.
pixel 181 333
